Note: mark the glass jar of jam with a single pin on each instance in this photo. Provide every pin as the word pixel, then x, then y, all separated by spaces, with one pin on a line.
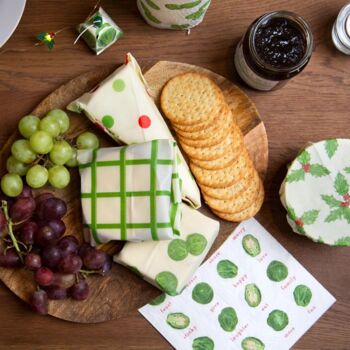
pixel 276 47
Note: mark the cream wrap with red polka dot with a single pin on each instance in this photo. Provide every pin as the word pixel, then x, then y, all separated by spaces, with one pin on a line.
pixel 123 108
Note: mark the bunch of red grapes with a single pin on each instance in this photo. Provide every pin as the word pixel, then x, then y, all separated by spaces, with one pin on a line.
pixel 32 235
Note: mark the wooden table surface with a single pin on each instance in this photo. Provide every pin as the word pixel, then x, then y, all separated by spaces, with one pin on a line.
pixel 313 106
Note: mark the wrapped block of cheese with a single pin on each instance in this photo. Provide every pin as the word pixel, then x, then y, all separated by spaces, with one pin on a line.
pixel 169 265
pixel 122 106
pixel 316 192
pixel 132 192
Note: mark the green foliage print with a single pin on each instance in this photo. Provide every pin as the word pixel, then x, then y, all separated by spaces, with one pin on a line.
pixel 340 208
pixel 316 170
pixel 180 27
pixel 347 170
pixel 149 14
pixel 186 5
pixel 199 13
pixel 331 147
pixel 307 218
pixel 152 4
pixel 343 242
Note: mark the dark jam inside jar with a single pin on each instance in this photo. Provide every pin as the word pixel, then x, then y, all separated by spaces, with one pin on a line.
pixel 280 43
pixel 276 47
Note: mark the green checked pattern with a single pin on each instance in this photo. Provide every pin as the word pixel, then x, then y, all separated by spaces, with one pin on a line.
pixel 131 192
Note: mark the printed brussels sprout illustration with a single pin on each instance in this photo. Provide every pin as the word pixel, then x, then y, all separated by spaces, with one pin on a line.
pixel 302 295
pixel 277 271
pixel 158 300
pixel 177 249
pixel 252 295
pixel 277 320
pixel 251 245
pixel 196 243
pixel 167 281
pixel 202 293
pixel 203 343
pixel 251 343
pixel 228 319
pixel 227 269
pixel 178 320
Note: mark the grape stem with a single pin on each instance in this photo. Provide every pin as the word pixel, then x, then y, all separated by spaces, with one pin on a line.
pixel 9 226
pixel 85 273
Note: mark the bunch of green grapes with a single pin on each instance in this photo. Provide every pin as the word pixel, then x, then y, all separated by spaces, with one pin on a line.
pixel 43 155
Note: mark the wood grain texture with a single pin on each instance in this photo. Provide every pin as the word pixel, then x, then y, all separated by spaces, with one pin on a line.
pixel 122 292
pixel 313 106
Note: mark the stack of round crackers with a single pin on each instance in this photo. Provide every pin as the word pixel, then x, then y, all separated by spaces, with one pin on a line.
pixel 214 144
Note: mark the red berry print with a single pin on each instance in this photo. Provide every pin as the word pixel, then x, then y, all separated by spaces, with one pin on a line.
pixel 299 222
pixel 306 168
pixel 346 197
pixel 345 204
pixel 144 121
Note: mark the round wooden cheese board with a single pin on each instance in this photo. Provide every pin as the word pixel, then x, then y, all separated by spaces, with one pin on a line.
pixel 123 292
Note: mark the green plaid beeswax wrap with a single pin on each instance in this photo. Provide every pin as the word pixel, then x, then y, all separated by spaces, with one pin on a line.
pixel 131 193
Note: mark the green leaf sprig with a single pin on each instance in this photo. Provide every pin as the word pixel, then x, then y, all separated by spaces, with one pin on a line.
pixel 316 170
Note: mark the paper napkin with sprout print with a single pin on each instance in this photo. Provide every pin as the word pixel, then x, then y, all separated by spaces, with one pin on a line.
pixel 251 294
pixel 132 192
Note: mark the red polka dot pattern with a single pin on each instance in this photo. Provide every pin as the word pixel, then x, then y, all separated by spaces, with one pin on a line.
pixel 144 121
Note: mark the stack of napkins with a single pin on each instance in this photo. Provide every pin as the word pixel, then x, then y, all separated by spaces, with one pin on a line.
pixel 169 265
pixel 132 192
pixel 251 294
pixel 123 108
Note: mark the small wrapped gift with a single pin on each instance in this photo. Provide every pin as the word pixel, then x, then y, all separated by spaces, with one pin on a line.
pixel 122 107
pixel 131 192
pixel 169 265
pixel 99 31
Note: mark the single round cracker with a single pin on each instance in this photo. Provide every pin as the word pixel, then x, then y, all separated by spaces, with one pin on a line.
pixel 211 152
pixel 192 128
pixel 246 213
pixel 191 98
pixel 238 203
pixel 220 124
pixel 222 162
pixel 223 177
pixel 228 158
pixel 234 190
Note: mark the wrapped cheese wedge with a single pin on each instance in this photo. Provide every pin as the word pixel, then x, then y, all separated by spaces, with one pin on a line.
pixel 316 192
pixel 169 265
pixel 122 107
pixel 132 192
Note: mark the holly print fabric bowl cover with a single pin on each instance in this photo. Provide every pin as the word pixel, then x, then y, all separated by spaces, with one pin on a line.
pixel 316 192
pixel 123 108
pixel 173 14
pixel 131 193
